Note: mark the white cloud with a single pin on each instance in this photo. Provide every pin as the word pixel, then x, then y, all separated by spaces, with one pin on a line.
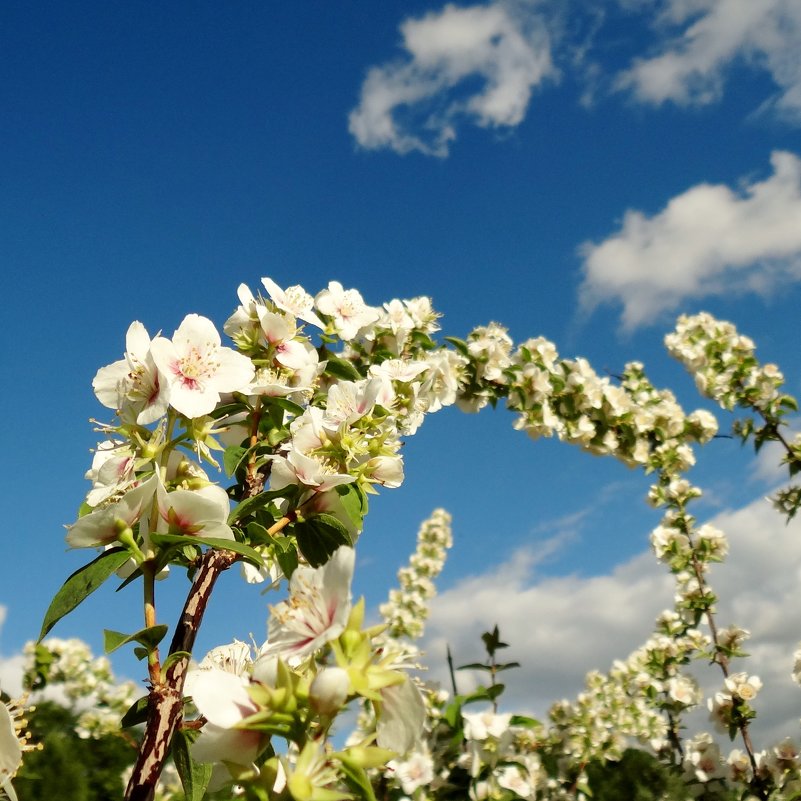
pixel 10 666
pixel 690 68
pixel 417 103
pixel 559 628
pixel 709 240
pixel 11 669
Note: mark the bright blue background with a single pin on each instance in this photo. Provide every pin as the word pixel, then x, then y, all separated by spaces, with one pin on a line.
pixel 154 157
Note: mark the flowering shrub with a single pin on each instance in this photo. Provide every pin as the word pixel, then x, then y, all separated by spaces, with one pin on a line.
pixel 266 453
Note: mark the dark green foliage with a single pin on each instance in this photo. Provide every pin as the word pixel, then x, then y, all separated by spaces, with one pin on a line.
pixel 639 776
pixel 69 767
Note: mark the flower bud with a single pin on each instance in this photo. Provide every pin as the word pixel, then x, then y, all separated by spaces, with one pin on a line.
pixel 329 690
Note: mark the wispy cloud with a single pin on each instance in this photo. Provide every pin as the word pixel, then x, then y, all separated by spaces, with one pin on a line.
pixel 690 65
pixel 709 240
pixel 559 628
pixel 418 102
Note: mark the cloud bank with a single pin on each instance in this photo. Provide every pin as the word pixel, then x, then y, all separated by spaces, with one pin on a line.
pixel 709 240
pixel 559 628
pixel 479 65
pixel 418 103
pixel 690 68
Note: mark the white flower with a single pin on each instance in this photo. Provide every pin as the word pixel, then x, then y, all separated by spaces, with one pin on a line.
pixel 295 300
pixel 403 712
pixel 10 751
pixel 202 512
pixel 415 771
pixel 198 368
pixel 317 609
pixel 297 468
pixel 743 686
pixel 104 526
pixel 218 688
pixel 349 401
pixel 513 777
pixel 111 471
pixel 480 725
pixel 347 308
pixel 133 384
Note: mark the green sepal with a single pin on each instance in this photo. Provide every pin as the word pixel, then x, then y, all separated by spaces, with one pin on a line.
pixel 149 638
pixel 137 712
pixel 249 553
pixel 195 776
pixel 319 537
pixel 80 584
pixel 357 779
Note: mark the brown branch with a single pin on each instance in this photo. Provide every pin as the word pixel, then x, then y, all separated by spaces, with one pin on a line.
pixel 165 707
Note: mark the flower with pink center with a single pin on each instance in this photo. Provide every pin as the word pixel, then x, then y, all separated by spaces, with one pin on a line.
pixel 279 331
pixel 299 469
pixel 316 611
pixel 133 385
pixel 103 526
pixel 198 368
pixel 202 512
pixel 112 471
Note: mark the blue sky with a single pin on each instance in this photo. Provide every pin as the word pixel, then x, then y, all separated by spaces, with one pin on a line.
pixel 585 176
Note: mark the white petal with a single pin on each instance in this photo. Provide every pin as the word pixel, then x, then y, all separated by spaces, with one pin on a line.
pixel 402 716
pixel 221 697
pixel 10 750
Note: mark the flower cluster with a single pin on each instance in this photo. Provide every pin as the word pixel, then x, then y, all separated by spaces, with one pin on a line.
pixel 723 364
pixel 306 415
pixel 316 660
pixel 632 421
pixel 407 609
pixel 87 682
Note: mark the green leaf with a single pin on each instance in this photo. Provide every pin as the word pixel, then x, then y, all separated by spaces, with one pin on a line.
pixel 354 501
pixel 258 533
pixel 149 638
pixel 341 368
pixel 287 560
pixel 459 344
pixel 288 406
pixel 251 505
pixel 249 553
pixel 175 656
pixel 492 641
pixel 82 583
pixel 319 537
pixel 194 775
pixel 506 666
pixel 232 458
pixel 137 712
pixel 523 720
pixel 475 666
